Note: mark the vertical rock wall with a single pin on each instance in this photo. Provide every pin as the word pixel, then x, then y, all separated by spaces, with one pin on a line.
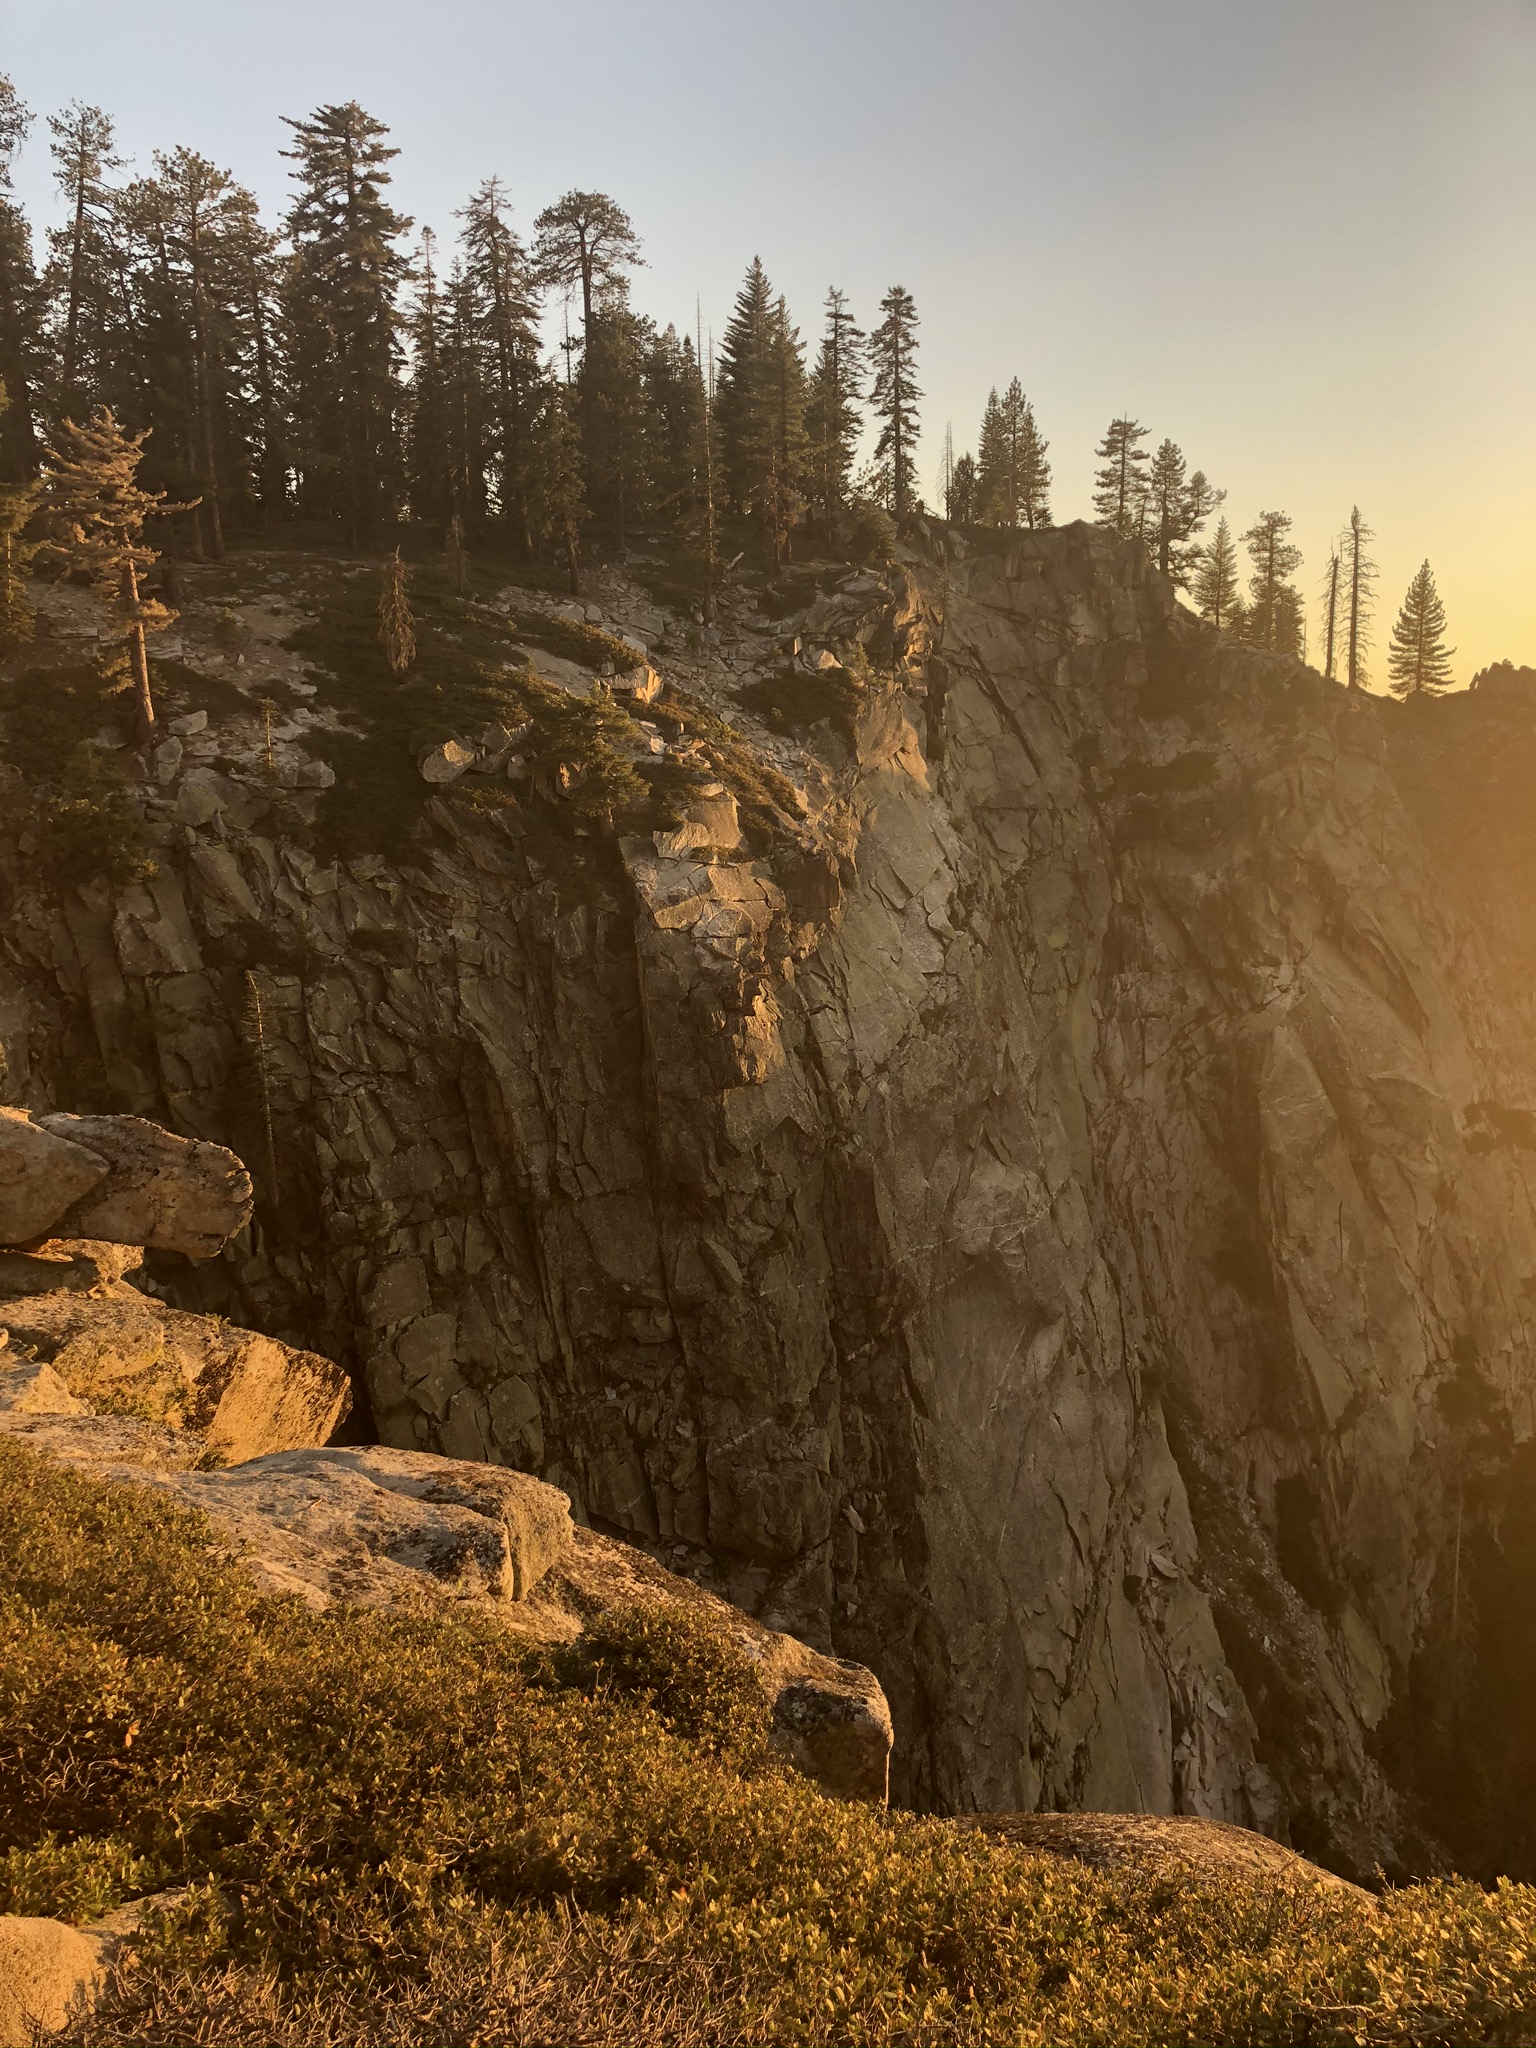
pixel 1050 1230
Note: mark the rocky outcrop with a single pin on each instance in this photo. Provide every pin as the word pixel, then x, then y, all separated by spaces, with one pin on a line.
pixel 120 1179
pixel 384 1528
pixel 1046 1214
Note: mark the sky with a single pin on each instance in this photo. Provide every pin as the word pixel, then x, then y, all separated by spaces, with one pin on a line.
pixel 1297 236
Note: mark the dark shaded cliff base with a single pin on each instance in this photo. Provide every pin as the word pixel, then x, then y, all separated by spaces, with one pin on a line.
pixel 370 1827
pixel 1023 1180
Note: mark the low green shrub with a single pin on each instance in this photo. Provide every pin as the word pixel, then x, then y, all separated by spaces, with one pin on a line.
pixel 409 1828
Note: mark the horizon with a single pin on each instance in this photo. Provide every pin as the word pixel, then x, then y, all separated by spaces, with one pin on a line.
pixel 1054 215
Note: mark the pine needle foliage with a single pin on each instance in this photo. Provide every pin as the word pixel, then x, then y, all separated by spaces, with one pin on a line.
pixel 1120 482
pixel 411 1827
pixel 1418 660
pixel 894 393
pixel 95 512
pixel 397 627
pixel 1215 584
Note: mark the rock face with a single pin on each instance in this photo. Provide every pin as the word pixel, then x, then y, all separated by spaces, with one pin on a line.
pixel 1048 1216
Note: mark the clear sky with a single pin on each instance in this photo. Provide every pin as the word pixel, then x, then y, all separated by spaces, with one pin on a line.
pixel 1298 236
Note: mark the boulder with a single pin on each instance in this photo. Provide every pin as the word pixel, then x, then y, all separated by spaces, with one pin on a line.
pixel 171 1193
pixel 445 763
pixel 241 1393
pixel 640 684
pixel 42 1174
pixel 1178 1845
pixel 189 723
pixel 382 1527
pixel 168 762
pixel 30 1388
pixel 51 1976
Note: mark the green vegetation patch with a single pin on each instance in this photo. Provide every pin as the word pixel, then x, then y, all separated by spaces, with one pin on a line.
pixel 789 700
pixel 410 1827
pixel 78 801
pixel 467 674
pixel 573 640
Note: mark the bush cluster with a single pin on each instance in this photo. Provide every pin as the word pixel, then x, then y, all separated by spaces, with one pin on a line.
pixel 401 1827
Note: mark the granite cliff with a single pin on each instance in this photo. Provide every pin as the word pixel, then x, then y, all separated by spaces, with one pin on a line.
pixel 1020 1178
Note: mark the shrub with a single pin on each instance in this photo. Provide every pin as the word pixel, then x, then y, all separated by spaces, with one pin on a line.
pixel 407 1827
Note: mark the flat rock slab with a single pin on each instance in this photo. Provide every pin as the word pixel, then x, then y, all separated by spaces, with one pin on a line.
pixel 381 1527
pixel 1206 1850
pixel 172 1193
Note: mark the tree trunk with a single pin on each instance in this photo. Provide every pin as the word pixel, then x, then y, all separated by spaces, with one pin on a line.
pixel 139 657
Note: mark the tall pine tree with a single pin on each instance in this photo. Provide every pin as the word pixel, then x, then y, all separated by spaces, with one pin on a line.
pixel 1177 506
pixel 894 393
pixel 1418 660
pixel 1215 581
pixel 503 285
pixel 1359 597
pixel 1120 483
pixel 586 241
pixel 1013 477
pixel 783 495
pixel 833 418
pixel 84 278
pixel 1274 610
pixel 343 346
pixel 744 409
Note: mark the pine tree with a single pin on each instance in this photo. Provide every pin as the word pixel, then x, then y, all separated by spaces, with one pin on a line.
pixel 502 283
pixel 960 505
pixel 428 448
pixel 96 511
pixel 783 498
pixel 83 273
pixel 250 252
pixel 198 377
pixel 397 627
pixel 17 501
pixel 833 419
pixel 468 404
pixel 616 422
pixel 1013 477
pixel 342 341
pixel 894 393
pixel 1360 585
pixel 1177 506
pixel 585 239
pixel 1120 485
pixel 1418 660
pixel 558 504
pixel 1330 612
pixel 744 410
pixel 1215 583
pixel 20 337
pixel 1274 614
pixel 676 403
